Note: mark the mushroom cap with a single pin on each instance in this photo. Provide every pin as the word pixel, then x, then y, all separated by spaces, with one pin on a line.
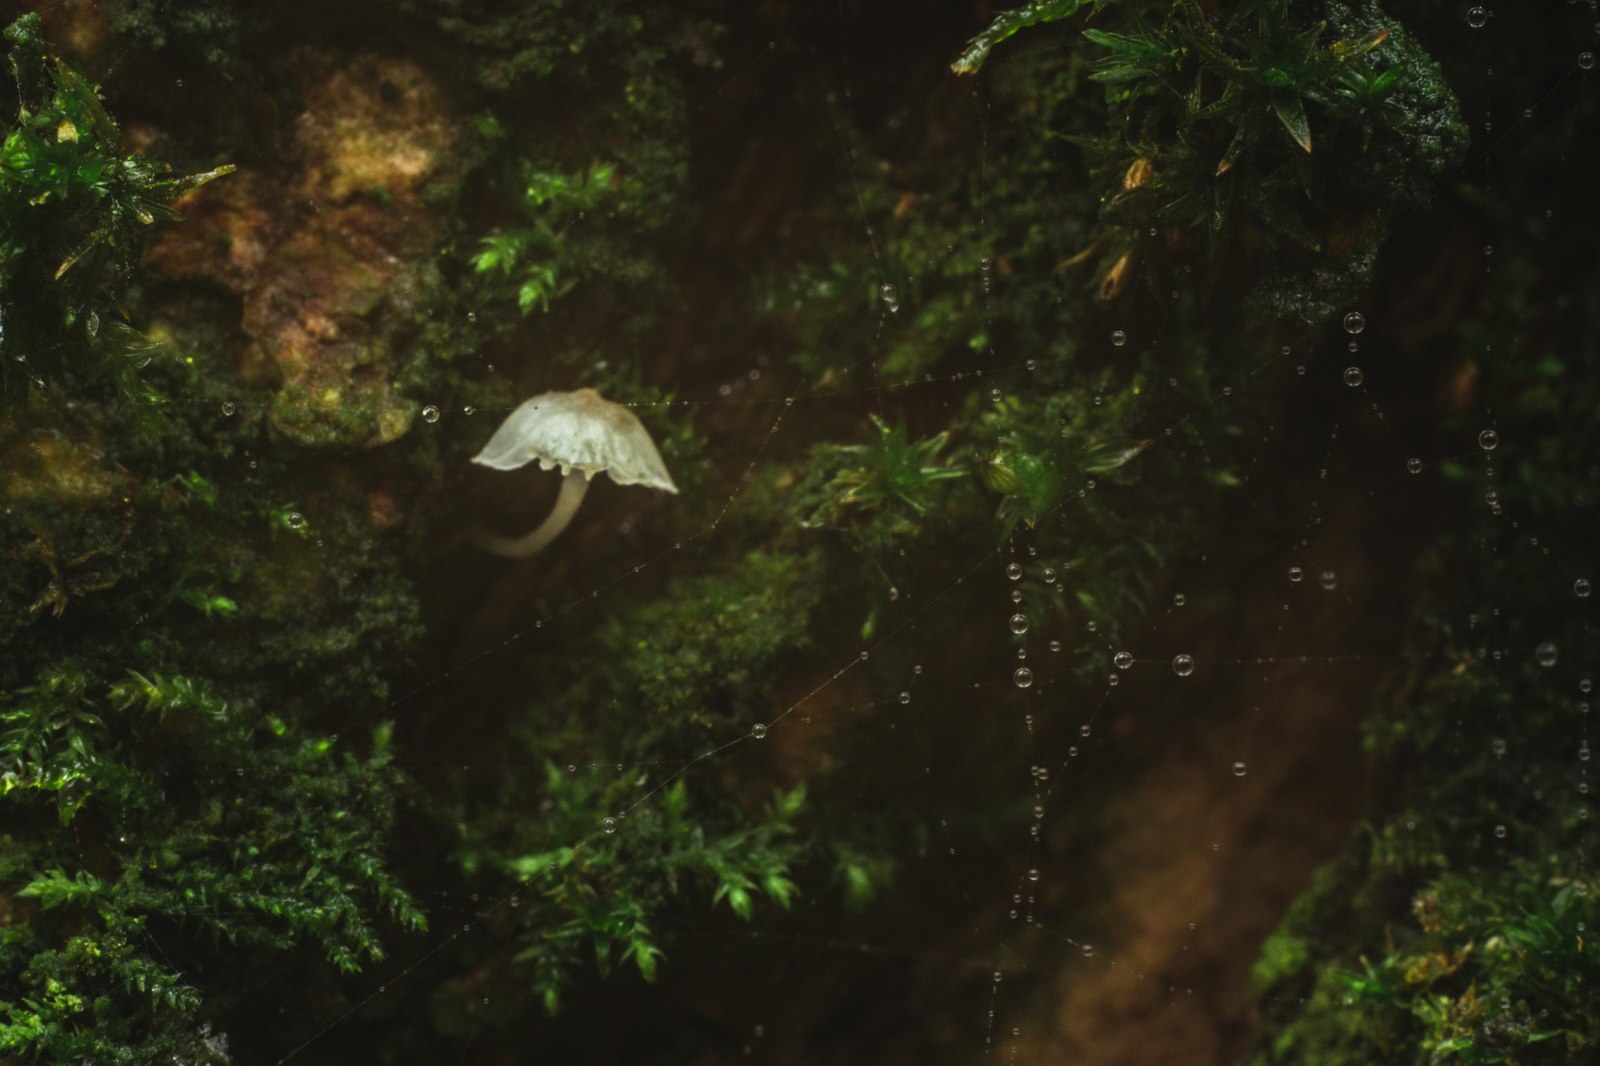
pixel 579 430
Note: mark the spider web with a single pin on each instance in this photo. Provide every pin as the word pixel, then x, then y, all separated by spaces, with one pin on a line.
pixel 1168 784
pixel 1166 811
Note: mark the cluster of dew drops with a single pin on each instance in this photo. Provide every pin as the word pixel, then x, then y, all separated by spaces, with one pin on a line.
pixel 1354 323
pixel 1022 676
pixel 1478 17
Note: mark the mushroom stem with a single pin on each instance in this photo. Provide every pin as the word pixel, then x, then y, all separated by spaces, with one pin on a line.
pixel 573 485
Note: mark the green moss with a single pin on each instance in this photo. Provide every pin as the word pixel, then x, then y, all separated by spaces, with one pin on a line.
pixel 1494 970
pixel 1463 931
pixel 600 867
pixel 162 535
pixel 1279 136
pixel 214 32
pixel 698 654
pixel 257 849
pixel 174 808
pixel 883 493
pixel 74 207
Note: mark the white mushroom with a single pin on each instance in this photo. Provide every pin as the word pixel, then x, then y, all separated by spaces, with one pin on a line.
pixel 583 433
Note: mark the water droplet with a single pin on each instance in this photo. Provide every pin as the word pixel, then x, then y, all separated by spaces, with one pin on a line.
pixel 1019 624
pixel 1033 875
pixel 1581 588
pixel 1355 322
pixel 1414 465
pixel 1238 769
pixel 296 520
pixel 609 825
pixel 1546 654
pixel 1122 660
pixel 1296 574
pixel 1498 746
pixel 1352 376
pixel 891 297
pixel 430 413
pixel 1183 665
pixel 1022 677
pixel 1500 831
pixel 905 697
pixel 1014 571
pixel 758 730
pixel 1118 338
pixel 1488 440
pixel 1179 599
pixel 472 316
pixel 1038 812
pixel 1586 60
pixel 1328 580
pixel 469 410
pixel 228 408
pixel 1088 951
pixel 1477 17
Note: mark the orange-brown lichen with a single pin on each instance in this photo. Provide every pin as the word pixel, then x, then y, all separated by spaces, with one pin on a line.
pixel 316 250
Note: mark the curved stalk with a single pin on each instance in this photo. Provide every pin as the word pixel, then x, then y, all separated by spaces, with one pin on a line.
pixel 573 486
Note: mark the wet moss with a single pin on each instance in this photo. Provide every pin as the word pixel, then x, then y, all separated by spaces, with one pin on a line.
pixel 1458 932
pixel 241 584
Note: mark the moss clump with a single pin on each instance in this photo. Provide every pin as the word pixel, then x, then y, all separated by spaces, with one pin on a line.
pixel 1278 138
pixel 74 207
pixel 1457 927
pixel 237 582
pixel 602 867
pixel 717 634
pixel 181 817
pixel 213 32
pixel 258 848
